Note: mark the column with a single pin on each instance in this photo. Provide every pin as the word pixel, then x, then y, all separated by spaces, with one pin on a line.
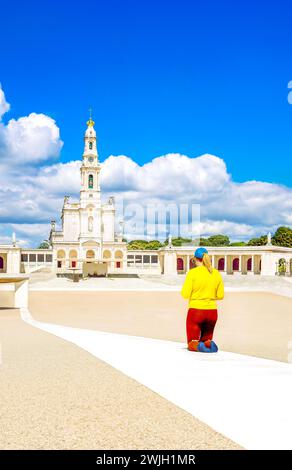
pixel 240 264
pixel 170 262
pixel 268 264
pixel 287 267
pixel 67 260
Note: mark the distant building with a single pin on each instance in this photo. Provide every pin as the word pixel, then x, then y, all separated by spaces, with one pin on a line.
pixel 87 243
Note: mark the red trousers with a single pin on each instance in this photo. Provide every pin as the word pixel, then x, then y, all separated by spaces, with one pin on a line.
pixel 201 324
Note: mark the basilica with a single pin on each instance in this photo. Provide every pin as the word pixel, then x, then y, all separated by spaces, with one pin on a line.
pixel 87 242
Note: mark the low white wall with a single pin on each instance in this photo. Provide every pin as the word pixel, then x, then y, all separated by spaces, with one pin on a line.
pixel 14 293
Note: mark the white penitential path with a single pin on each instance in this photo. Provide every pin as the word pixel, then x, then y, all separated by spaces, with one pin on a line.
pixel 245 398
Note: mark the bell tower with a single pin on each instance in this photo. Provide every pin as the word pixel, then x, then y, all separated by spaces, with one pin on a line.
pixel 90 168
pixel 90 198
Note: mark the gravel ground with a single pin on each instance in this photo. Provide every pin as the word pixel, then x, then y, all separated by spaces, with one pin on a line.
pixel 54 395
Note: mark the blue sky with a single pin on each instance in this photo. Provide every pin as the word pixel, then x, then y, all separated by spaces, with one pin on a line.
pixel 188 77
pixel 162 76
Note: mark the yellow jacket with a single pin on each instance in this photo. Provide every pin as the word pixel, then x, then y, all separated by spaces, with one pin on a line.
pixel 202 288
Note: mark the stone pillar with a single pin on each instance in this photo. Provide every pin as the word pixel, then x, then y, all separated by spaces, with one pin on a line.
pixel 240 264
pixel 287 267
pixel 244 259
pixel 268 264
pixel 13 261
pixel 67 259
pixel 252 264
pixel 170 262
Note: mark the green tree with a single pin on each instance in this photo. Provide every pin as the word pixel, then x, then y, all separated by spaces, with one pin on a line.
pixel 238 244
pixel 137 244
pixel 258 241
pixel 283 237
pixel 44 245
pixel 204 242
pixel 178 241
pixel 218 240
pixel 154 245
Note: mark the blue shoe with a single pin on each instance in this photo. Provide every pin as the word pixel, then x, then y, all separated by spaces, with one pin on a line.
pixel 203 348
pixel 213 347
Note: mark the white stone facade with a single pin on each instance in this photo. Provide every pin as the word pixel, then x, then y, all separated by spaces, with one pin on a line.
pixel 245 260
pixel 10 257
pixel 87 243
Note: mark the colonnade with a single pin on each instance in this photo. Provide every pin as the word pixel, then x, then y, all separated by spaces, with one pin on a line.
pixel 228 264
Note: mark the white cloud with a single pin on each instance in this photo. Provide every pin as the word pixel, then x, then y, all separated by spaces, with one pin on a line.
pixel 240 210
pixel 4 105
pixel 61 178
pixel 30 139
pixel 232 229
pixel 31 229
pixel 7 240
pixel 166 175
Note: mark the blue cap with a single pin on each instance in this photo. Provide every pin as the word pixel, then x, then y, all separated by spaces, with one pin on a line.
pixel 199 253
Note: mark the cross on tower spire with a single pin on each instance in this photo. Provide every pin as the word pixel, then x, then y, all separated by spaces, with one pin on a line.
pixel 90 122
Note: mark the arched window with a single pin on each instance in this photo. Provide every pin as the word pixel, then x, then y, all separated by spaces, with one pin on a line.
pixel 235 264
pixel 73 258
pixel 179 264
pixel 282 266
pixel 90 145
pixel 1 263
pixel 90 254
pixel 221 264
pixel 90 181
pixel 61 258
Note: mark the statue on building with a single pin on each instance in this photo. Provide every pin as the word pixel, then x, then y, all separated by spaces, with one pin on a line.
pixel 269 237
pixel 13 239
pixel 169 241
pixel 121 224
pixel 90 224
